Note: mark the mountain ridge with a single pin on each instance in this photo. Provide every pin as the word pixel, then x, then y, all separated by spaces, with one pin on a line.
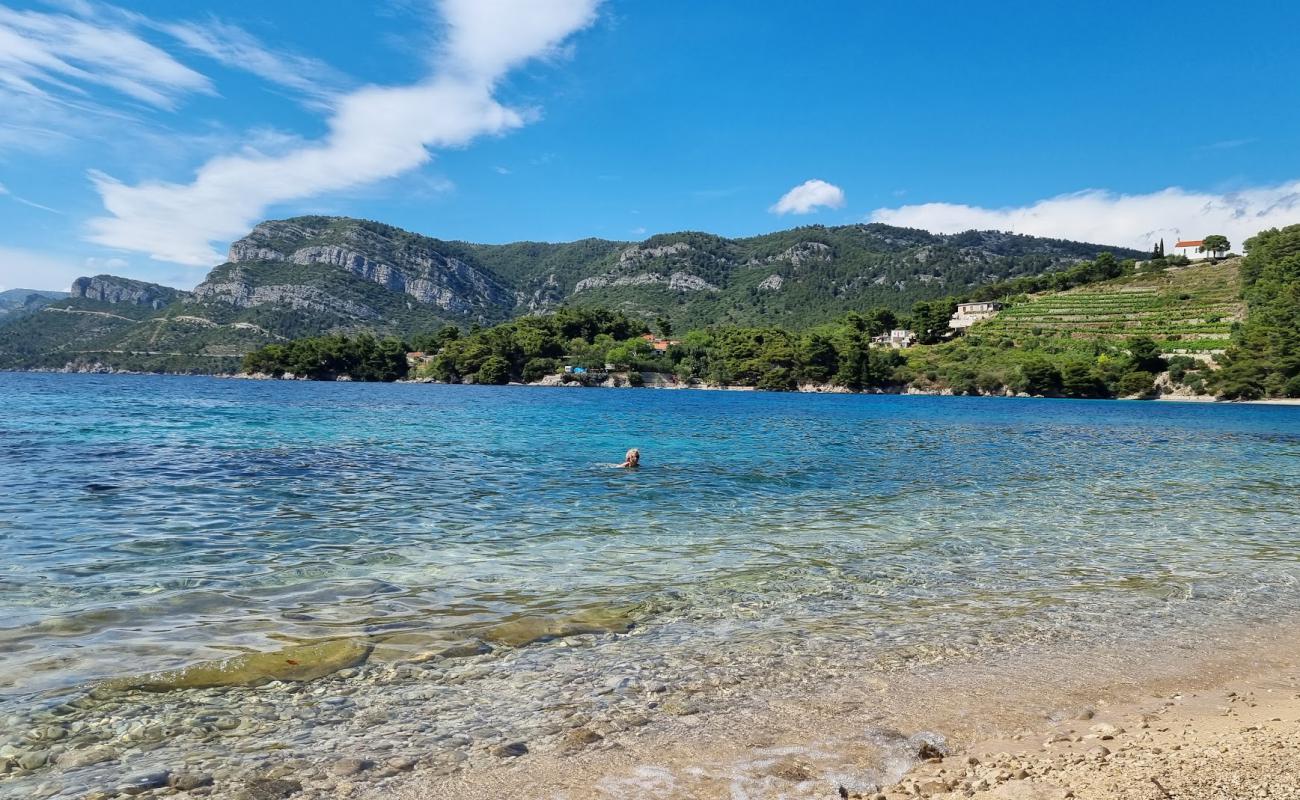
pixel 314 274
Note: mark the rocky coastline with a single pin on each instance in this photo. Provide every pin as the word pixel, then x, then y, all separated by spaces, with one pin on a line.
pixel 330 721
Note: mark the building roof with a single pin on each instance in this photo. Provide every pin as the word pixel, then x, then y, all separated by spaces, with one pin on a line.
pixel 1191 243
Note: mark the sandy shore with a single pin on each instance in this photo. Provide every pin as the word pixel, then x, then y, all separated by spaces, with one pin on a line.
pixel 1164 725
pixel 1239 740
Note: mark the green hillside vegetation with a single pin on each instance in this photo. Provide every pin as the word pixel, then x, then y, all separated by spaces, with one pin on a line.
pixel 993 358
pixel 311 276
pixel 1264 359
pixel 359 358
pixel 17 302
pixel 823 273
pixel 1186 309
pixel 1102 339
pixel 768 358
pixel 127 337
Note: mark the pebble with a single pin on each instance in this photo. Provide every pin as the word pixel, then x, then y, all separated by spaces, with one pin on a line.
pixel 189 781
pixel 577 739
pixel 139 784
pixel 1098 753
pixel 48 733
pixel 268 789
pixel 346 767
pixel 510 750
pixel 86 756
pixel 33 759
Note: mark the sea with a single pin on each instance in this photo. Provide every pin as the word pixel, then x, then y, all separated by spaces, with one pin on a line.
pixel 471 562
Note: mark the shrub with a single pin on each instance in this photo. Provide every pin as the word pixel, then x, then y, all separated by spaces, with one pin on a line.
pixel 1038 376
pixel 539 368
pixel 1137 383
pixel 1079 379
pixel 495 371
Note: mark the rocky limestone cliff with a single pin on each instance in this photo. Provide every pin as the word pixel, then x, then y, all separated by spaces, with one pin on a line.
pixel 235 289
pixel 111 289
pixel 394 259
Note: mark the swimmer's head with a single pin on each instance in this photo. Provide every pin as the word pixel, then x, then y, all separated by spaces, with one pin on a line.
pixel 633 457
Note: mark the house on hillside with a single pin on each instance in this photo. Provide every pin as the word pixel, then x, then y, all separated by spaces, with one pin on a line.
pixel 1191 248
pixel 660 345
pixel 898 338
pixel 970 313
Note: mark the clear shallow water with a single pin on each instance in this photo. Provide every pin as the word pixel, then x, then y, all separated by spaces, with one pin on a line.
pixel 152 522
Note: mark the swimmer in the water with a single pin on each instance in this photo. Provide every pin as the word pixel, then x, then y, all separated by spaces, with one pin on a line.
pixel 632 460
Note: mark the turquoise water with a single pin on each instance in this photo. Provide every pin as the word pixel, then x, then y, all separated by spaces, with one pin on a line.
pixel 159 520
pixel 152 522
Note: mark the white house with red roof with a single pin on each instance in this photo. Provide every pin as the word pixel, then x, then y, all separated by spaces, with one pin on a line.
pixel 1191 248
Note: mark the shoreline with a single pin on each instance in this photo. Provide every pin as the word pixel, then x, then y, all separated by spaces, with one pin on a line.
pixel 674 386
pixel 1204 727
pixel 1232 740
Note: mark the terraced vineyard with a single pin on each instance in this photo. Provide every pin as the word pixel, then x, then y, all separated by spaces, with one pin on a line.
pixel 1185 310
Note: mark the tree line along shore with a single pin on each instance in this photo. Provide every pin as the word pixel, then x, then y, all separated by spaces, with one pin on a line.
pixel 1259 356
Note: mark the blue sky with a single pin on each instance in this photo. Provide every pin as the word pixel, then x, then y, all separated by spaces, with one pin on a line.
pixel 140 138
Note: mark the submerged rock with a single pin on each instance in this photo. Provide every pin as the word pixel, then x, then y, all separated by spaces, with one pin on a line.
pixel 346 767
pixel 527 630
pixel 188 781
pixel 139 784
pixel 87 756
pixel 300 663
pixel 269 789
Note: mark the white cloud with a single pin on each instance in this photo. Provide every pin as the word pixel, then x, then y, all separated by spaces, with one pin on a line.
pixel 236 48
pixel 502 170
pixel 375 133
pixel 1129 220
pixel 809 196
pixel 48 55
pixel 4 192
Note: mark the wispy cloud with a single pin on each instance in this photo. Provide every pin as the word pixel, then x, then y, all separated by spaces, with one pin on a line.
pixel 1129 220
pixel 1228 144
pixel 51 55
pixel 4 192
pixel 236 48
pixel 808 197
pixel 375 133
pixel 501 170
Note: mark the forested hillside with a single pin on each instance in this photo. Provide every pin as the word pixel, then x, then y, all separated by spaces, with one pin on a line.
pixel 1264 360
pixel 313 276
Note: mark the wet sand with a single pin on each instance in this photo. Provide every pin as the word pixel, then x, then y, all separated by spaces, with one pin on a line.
pixel 1221 722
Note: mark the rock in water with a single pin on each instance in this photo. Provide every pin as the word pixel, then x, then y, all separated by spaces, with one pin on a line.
pixel 268 789
pixel 188 781
pixel 139 784
pixel 346 767
pixel 528 630
pixel 301 663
